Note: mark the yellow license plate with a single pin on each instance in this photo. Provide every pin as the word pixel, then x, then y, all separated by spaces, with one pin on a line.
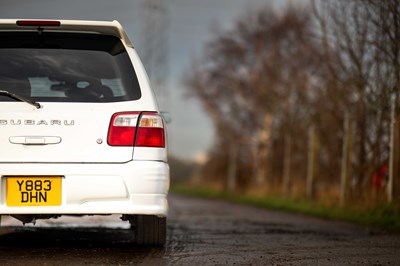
pixel 33 191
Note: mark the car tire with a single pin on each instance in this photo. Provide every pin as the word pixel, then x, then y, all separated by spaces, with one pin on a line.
pixel 149 230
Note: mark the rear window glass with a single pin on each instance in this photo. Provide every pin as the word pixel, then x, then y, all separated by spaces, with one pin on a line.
pixel 66 67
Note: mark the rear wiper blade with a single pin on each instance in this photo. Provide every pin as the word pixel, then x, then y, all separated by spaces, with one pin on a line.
pixel 19 98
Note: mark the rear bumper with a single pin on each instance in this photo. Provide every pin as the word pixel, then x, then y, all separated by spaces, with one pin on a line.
pixel 136 187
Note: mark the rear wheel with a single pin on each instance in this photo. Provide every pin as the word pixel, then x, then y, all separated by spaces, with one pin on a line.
pixel 149 230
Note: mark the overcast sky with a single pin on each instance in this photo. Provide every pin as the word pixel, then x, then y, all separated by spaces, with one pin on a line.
pixel 189 23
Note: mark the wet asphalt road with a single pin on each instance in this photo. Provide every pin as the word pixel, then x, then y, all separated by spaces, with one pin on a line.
pixel 200 232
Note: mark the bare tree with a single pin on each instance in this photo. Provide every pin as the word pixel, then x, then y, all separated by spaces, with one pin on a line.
pixel 253 79
pixel 361 42
pixel 271 77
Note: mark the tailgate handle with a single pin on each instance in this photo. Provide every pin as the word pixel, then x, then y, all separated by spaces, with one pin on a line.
pixel 33 140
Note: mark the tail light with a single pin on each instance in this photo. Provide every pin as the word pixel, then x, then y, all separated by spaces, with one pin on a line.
pixel 133 129
pixel 122 129
pixel 150 132
pixel 39 23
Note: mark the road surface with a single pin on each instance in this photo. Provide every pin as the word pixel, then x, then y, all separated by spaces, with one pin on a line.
pixel 200 232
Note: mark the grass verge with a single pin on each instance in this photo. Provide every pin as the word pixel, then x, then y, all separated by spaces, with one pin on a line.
pixel 384 216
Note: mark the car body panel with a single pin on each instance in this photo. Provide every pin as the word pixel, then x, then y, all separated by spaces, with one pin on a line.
pixel 136 187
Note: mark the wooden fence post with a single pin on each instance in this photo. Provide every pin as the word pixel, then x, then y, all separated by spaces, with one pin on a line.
pixel 392 151
pixel 311 165
pixel 345 164
pixel 232 168
pixel 286 164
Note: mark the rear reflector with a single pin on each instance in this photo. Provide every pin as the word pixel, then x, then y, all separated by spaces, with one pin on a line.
pixel 39 23
pixel 131 129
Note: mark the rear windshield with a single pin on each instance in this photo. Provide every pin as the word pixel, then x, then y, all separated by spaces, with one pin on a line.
pixel 66 67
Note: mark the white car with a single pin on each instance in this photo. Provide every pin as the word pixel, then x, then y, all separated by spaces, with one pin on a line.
pixel 80 130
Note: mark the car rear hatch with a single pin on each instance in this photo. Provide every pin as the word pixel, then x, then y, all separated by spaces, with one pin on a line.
pixel 80 79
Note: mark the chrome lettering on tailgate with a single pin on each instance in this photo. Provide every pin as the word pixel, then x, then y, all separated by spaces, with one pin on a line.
pixel 31 122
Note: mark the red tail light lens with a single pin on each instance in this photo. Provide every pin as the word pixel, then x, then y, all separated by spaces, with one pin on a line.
pixel 151 131
pixel 122 129
pixel 131 129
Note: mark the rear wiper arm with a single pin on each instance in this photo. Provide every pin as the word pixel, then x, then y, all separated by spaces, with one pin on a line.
pixel 19 98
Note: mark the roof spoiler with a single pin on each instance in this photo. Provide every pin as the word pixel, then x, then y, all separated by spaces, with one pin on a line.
pixel 112 28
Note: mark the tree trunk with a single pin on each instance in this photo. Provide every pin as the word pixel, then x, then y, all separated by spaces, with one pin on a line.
pixel 286 165
pixel 346 152
pixel 232 169
pixel 311 162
